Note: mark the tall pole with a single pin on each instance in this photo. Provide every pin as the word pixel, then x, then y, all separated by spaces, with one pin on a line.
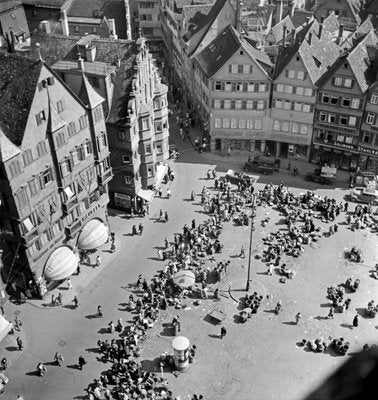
pixel 250 242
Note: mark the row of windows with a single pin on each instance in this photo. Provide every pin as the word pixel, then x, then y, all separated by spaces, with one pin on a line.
pixel 342 82
pixel 342 101
pixel 302 91
pixel 38 183
pixel 80 154
pixel 234 123
pixel 239 104
pixel 332 118
pixel 86 177
pixel 338 137
pixel 371 118
pixel 295 74
pixel 240 69
pixel 45 237
pixel 228 86
pixel 293 105
pixel 287 126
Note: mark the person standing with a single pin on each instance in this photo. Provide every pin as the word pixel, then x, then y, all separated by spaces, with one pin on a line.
pixel 169 193
pixel 242 252
pixel 58 358
pixel 76 302
pixel 17 324
pixel 223 332
pixel 98 261
pixel 19 343
pixel 69 284
pixel 330 314
pixel 140 229
pixel 166 216
pixel 355 321
pixel 99 312
pixel 81 362
pixel 297 318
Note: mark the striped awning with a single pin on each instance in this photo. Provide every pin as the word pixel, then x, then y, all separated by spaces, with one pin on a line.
pixel 61 264
pixel 93 235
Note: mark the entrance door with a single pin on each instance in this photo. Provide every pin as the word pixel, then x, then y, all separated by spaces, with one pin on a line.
pixel 218 144
pixel 284 149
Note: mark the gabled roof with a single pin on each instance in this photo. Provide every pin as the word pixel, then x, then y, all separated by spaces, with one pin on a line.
pixel 7 148
pixel 195 14
pixel 316 53
pixel 210 18
pixel 54 120
pixel 89 97
pixel 331 23
pixel 9 4
pixel 17 88
pixel 223 47
pixel 358 60
pixel 14 20
pixel 361 31
pixel 277 30
pixel 300 16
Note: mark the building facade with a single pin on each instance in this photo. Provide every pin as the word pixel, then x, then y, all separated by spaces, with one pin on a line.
pixel 149 19
pixel 138 131
pixel 340 107
pixel 54 174
pixel 232 87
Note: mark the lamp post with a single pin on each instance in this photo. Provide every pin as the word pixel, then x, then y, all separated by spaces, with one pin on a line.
pixel 250 242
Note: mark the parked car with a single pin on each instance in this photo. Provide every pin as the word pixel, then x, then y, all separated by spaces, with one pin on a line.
pixel 318 176
pixel 237 177
pixel 265 165
pixel 364 195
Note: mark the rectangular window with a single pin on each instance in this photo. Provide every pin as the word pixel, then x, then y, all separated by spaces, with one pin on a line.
pixel 288 89
pixel 260 104
pixel 233 123
pixel 241 124
pixel 299 90
pixel 27 157
pixel 278 103
pixel 121 134
pixel 295 127
pixel 71 128
pixel 60 139
pixel 238 104
pixel 331 118
pixel 234 69
pixel 300 75
pixel 14 168
pixel 343 120
pixel 322 116
pixel 227 104
pixel 145 123
pixel 352 121
pixel 128 180
pixel 304 129
pixel 249 123
pixel 297 106
pixel 258 124
pixel 287 105
pixel 374 99
pixel 148 149
pixel 280 88
pixel 347 82
pixel 306 107
pixel 125 159
pixel 291 73
pixel 349 139
pixel 251 87
pixel 60 106
pixel 239 86
pixel 262 87
pixel 240 69
pixel 22 198
pixel 285 126
pixel 217 104
pixel 334 100
pixel 277 125
pixel 159 148
pixel 228 86
pixel 370 118
pixel 34 186
pixel 249 105
pixel 366 137
pixel 325 98
pixel 47 176
pixel 308 92
pixel 28 224
pixel 40 117
pixel 337 81
pixel 83 122
pixel 226 123
pixel 218 86
pixel 340 138
pixel 355 103
pixel 150 172
pixel 65 168
pixel 41 148
pixel 246 69
pixel 217 123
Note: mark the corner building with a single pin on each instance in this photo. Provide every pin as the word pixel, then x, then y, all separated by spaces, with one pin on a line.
pixel 54 170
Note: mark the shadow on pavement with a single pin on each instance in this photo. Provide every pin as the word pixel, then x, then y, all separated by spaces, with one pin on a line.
pixel 151 365
pixel 345 325
pixel 11 348
pixel 289 323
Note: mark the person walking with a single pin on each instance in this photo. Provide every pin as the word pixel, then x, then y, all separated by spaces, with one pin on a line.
pixel 112 247
pixel 52 300
pixel 223 332
pixel 166 216
pixel 99 312
pixel 355 321
pixel 76 302
pixel 98 261
pixel 58 358
pixel 297 318
pixel 169 193
pixel 81 362
pixel 59 299
pixel 17 324
pixel 69 284
pixel 140 229
pixel 166 243
pixel 242 252
pixel 330 314
pixel 160 191
pixel 19 343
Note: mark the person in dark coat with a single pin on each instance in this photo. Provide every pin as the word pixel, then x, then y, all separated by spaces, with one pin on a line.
pixel 355 320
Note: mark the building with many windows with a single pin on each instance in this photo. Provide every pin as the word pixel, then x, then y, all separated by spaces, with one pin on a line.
pixel 303 58
pixel 232 87
pixel 340 105
pixel 138 131
pixel 54 171
pixel 149 19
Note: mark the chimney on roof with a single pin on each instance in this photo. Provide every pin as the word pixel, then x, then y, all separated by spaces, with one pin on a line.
pixel 128 20
pixel 238 16
pixel 321 27
pixel 64 21
pixel 284 35
pixel 341 34
pixel 292 8
pixel 278 11
pixel 12 37
pixel 112 28
pixel 45 26
pixel 80 63
pixel 90 53
pixel 293 36
pixel 309 39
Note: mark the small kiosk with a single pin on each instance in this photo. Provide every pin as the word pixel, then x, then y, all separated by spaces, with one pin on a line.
pixel 180 346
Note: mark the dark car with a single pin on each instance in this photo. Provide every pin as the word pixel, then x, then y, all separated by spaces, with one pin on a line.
pixel 318 176
pixel 237 177
pixel 265 165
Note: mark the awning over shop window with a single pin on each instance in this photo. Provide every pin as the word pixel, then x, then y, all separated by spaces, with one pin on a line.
pixel 93 235
pixel 61 264
pixel 146 194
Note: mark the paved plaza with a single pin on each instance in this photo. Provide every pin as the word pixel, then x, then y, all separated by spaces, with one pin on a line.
pixel 260 359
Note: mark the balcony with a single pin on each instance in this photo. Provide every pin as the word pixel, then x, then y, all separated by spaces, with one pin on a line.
pixel 105 177
pixel 69 205
pixel 72 230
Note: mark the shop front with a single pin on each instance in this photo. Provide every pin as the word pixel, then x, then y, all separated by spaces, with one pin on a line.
pixel 368 160
pixel 94 234
pixel 346 160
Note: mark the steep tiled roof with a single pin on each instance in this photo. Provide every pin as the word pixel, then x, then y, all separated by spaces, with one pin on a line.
pixel 362 30
pixel 223 47
pixel 7 148
pixel 331 23
pixel 15 21
pixel 88 95
pixel 316 54
pixel 8 4
pixel 109 8
pixel 17 87
pixel 210 18
pixel 373 7
pixel 45 3
pixel 277 30
pixel 195 14
pixel 358 60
